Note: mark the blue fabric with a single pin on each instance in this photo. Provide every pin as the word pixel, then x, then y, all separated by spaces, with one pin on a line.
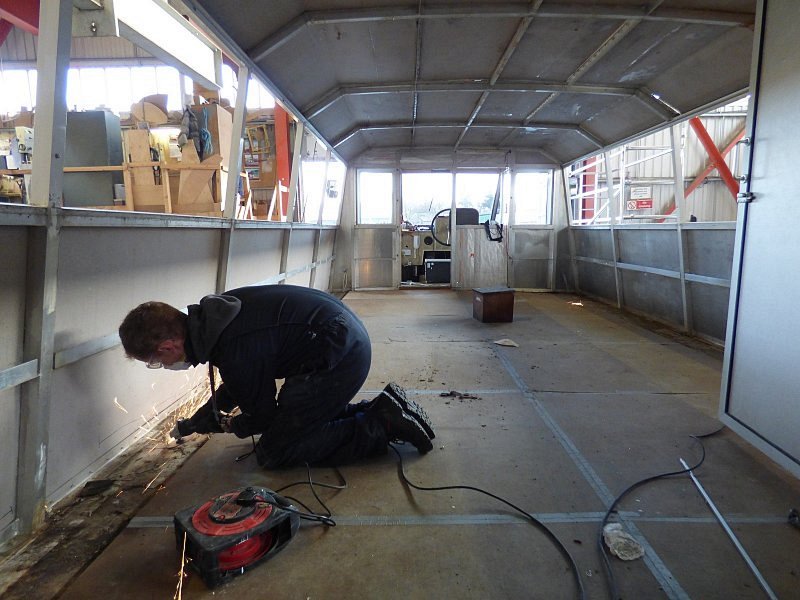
pixel 315 422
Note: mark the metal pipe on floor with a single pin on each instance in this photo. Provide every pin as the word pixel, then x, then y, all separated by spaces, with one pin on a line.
pixel 731 535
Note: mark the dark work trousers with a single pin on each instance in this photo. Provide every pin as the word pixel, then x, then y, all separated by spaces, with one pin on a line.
pixel 315 422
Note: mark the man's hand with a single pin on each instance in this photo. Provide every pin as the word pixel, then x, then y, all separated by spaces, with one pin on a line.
pixel 183 427
pixel 225 423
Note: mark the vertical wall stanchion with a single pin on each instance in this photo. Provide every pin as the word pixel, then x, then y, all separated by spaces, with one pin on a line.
pixel 297 162
pixel 232 184
pixel 570 231
pixel 54 40
pixel 512 220
pixel 281 162
pixel 677 172
pixel 317 238
pixel 612 215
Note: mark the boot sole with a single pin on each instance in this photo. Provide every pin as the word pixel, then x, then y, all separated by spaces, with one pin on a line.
pixel 411 407
pixel 413 431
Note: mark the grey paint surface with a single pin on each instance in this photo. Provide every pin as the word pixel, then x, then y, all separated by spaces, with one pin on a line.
pixel 763 375
pixel 586 383
pixel 689 56
pixel 255 256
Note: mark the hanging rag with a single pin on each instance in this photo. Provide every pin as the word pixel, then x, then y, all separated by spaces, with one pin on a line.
pixel 206 147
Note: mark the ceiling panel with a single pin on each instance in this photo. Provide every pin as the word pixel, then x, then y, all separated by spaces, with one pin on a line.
pixel 692 53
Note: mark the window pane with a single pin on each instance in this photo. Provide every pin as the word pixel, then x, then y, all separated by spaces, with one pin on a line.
pixel 477 190
pixel 374 197
pixel 143 82
pixel 313 174
pixel 334 188
pixel 118 80
pixel 169 82
pixel 531 198
pixel 424 195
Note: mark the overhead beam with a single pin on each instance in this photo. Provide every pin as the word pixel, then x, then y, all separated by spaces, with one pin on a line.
pixel 508 10
pixel 21 13
pixel 329 98
pixel 512 46
pixel 452 125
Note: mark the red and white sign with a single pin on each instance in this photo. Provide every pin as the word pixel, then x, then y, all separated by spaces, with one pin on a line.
pixel 640 204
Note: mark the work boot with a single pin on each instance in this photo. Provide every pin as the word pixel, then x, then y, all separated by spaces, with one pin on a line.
pixel 398 425
pixel 410 407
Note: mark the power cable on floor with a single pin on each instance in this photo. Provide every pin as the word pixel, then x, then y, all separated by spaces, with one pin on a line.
pixel 550 535
pixel 612 583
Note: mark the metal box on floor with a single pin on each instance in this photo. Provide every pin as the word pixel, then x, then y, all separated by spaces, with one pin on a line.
pixel 437 270
pixel 493 304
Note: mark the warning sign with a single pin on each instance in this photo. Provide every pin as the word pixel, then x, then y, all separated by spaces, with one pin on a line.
pixel 639 204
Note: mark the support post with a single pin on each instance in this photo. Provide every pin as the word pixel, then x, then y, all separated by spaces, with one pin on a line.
pixel 232 184
pixel 612 214
pixel 677 171
pixel 570 230
pixel 317 239
pixel 296 166
pixel 282 161
pixel 46 190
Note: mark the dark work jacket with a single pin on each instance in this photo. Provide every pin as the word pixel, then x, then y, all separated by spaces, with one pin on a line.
pixel 255 335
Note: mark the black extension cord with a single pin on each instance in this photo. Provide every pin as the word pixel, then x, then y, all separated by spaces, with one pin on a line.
pixel 612 583
pixel 550 535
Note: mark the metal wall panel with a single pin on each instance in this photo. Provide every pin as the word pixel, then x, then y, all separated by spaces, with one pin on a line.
pixel 709 310
pixel 650 247
pixel 375 242
pixel 103 273
pixel 481 262
pixel 653 295
pixel 374 273
pixel 301 254
pixel 327 242
pixel 597 280
pixel 530 257
pixel 375 257
pixel 710 252
pixel 531 274
pixel 9 446
pixel 255 256
pixel 594 243
pixel 14 241
pixel 761 378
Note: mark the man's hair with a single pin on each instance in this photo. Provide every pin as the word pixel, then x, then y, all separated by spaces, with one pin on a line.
pixel 149 324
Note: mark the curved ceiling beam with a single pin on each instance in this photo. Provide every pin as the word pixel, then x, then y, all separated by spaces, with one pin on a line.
pixel 330 97
pixel 504 11
pixel 451 125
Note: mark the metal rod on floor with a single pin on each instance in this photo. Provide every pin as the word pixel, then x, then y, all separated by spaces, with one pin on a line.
pixel 731 535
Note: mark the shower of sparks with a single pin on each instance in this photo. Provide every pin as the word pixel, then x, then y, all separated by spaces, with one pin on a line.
pixel 119 406
pixel 147 487
pixel 119 493
pixel 155 411
pixel 179 591
pixel 576 303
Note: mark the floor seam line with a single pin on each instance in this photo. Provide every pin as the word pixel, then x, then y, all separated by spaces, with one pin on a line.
pixel 668 582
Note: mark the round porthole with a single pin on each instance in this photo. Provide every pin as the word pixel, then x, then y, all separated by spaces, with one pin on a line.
pixel 428 240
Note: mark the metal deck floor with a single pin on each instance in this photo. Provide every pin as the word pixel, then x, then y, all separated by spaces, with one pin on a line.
pixel 589 402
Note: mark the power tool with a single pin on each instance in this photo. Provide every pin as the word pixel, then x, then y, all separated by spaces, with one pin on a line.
pixel 234 532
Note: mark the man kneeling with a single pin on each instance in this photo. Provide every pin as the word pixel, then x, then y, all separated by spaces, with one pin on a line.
pixel 255 335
